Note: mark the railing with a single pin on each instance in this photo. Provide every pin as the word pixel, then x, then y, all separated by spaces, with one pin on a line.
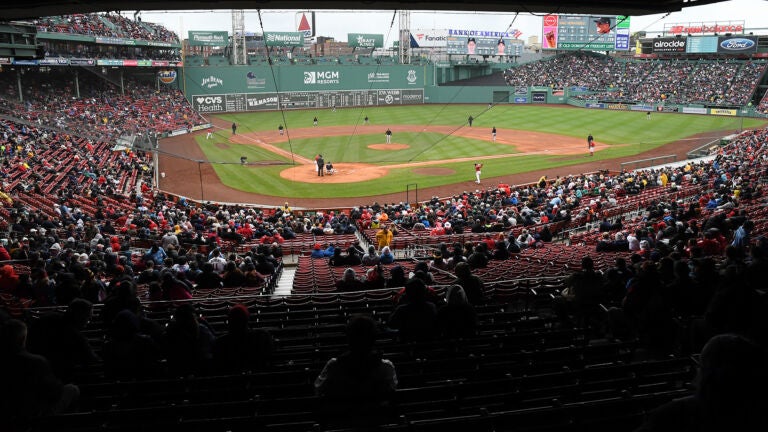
pixel 702 150
pixel 642 163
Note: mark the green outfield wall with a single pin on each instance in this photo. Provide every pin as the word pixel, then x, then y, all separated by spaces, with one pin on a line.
pixel 257 88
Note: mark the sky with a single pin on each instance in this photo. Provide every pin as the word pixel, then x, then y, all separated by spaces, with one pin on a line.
pixel 338 23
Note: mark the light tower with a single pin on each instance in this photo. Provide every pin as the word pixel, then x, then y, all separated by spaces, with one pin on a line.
pixel 239 52
pixel 404 48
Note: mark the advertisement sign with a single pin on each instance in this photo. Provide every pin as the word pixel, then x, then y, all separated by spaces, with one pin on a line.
pixel 521 91
pixel 265 101
pixel 54 61
pixel 388 97
pixel 6 60
pixel 539 97
pixel 82 62
pixel 736 44
pixel 592 32
pixel 641 108
pixel 702 44
pixel 114 41
pixel 521 100
pixel 482 45
pixel 254 81
pixel 284 39
pixel 617 107
pixel 512 34
pixel 378 77
pixel 209 103
pixel 428 38
pixel 167 76
pixel 305 23
pixel 549 30
pixel 622 33
pixel 669 45
pixel 722 112
pixel 208 38
pixel 160 44
pixel 702 28
pixel 694 110
pixel 322 77
pixel 109 62
pixel 412 96
pixel 25 62
pixel 594 105
pixel 365 40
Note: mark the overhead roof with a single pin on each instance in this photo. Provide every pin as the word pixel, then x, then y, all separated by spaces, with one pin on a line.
pixel 12 10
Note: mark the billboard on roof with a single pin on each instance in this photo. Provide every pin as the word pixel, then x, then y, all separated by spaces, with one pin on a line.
pixel 587 32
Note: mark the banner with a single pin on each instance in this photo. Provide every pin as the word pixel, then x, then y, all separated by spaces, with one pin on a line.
pixel 722 112
pixel 736 45
pixel 538 97
pixel 594 105
pixel 167 76
pixel 365 40
pixel 82 62
pixel 520 100
pixel 114 41
pixel 704 27
pixel 641 108
pixel 109 62
pixel 209 103
pixel 482 45
pixel 669 45
pixel 694 110
pixel 428 38
pixel 6 60
pixel 617 107
pixel 54 61
pixel 591 32
pixel 208 38
pixel 284 39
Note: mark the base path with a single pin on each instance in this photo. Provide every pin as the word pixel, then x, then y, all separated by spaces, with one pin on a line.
pixel 185 175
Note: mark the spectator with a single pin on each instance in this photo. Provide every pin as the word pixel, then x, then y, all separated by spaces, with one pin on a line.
pixel 188 343
pixel 242 349
pixel 358 385
pixel 457 318
pixel 30 388
pixel 58 337
pixel 349 282
pixel 416 319
pixel 473 286
pixel 729 391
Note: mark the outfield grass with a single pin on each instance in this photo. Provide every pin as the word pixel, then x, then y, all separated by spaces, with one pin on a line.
pixel 631 129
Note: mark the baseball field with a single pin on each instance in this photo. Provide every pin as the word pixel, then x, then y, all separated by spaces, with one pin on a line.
pixel 432 147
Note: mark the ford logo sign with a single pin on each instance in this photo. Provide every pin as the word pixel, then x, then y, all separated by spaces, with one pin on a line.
pixel 737 44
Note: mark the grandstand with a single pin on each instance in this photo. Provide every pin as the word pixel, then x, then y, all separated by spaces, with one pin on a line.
pixel 209 316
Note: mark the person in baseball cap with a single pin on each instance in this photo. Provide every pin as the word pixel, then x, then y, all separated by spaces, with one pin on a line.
pixel 603 25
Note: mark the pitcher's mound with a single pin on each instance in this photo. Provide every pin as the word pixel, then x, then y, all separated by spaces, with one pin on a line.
pixel 388 146
pixel 343 173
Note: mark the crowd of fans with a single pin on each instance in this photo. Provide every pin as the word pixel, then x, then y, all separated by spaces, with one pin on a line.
pixel 105 25
pixel 763 105
pixel 707 82
pixel 700 258
pixel 101 112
